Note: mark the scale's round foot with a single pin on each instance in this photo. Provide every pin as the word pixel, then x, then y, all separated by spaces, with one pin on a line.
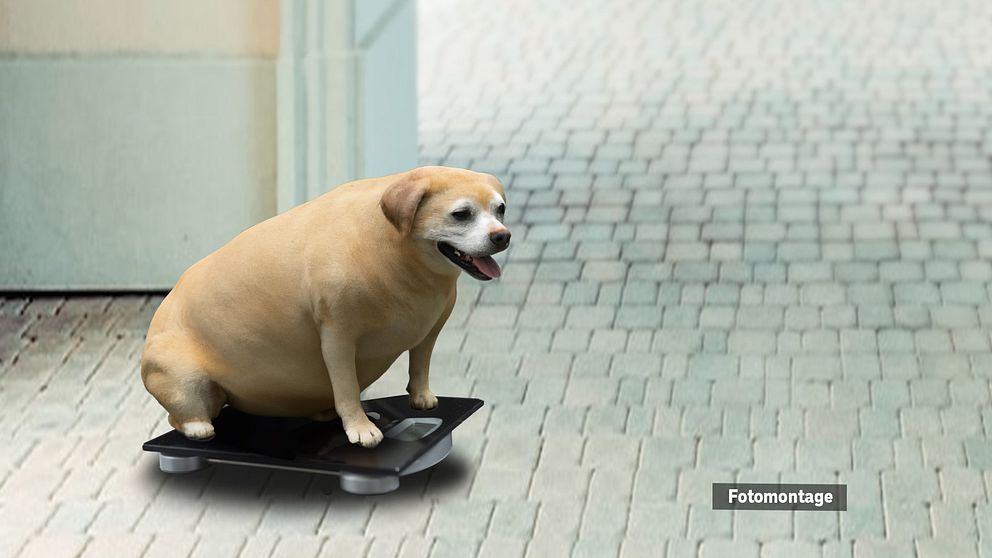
pixel 432 457
pixel 369 484
pixel 180 464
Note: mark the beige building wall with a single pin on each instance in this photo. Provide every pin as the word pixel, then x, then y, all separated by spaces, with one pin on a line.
pixel 220 27
pixel 136 136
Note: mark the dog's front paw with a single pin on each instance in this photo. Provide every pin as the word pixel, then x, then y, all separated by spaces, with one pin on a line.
pixel 423 400
pixel 363 432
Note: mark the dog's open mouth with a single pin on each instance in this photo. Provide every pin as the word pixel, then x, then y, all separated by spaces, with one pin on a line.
pixel 482 268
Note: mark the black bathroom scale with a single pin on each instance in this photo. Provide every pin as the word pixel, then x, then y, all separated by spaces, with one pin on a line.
pixel 412 441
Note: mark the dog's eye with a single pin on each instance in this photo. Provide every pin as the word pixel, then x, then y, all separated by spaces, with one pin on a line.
pixel 501 209
pixel 461 215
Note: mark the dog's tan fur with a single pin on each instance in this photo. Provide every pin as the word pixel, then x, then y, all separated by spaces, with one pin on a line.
pixel 299 313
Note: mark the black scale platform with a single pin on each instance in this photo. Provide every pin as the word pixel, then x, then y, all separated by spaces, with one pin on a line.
pixel 412 441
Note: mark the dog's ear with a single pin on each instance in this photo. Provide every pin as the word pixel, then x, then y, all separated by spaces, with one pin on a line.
pixel 401 199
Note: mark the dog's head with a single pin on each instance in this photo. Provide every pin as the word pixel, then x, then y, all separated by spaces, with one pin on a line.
pixel 455 214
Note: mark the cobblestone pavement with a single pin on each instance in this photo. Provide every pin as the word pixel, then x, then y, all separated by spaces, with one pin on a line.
pixel 751 242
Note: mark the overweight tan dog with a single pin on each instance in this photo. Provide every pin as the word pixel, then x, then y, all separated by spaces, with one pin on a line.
pixel 298 314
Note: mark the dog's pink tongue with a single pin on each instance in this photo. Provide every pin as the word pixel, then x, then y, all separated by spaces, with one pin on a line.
pixel 488 266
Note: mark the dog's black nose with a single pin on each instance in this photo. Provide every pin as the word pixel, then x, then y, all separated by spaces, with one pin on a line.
pixel 500 238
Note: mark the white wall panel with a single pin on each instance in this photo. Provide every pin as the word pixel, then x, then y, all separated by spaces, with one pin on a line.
pixel 120 173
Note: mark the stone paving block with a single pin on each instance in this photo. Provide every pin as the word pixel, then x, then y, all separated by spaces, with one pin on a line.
pixel 461 520
pixel 971 340
pixel 732 392
pixel 558 518
pixel 958 484
pixel 698 421
pixel 689 392
pixel 678 341
pixel 638 547
pixel 823 454
pixel 772 454
pixel 820 526
pixel 124 545
pixel 571 340
pixel 908 454
pixel 415 546
pixel 517 419
pixel 953 521
pixel 532 365
pixel 511 451
pixel 560 483
pixel 817 367
pixel 605 516
pixel 898 366
pixel 218 544
pixel 680 548
pixel 725 453
pixel 944 365
pixel 384 547
pixel 821 341
pixel 850 394
pixel 591 391
pixel 762 526
pixel 563 420
pixel 961 422
pixel 635 364
pixel 942 451
pixel 736 421
pixel 556 546
pixel 805 394
pixel 906 519
pixel 790 549
pixel 657 521
pixel 22 520
pixel 639 340
pixel 32 481
pixel 708 524
pixel 694 485
pixel 876 548
pixel 493 483
pixel 72 516
pixel 344 517
pixel 293 515
pixel 610 451
pixel 501 546
pixel 681 317
pixel 760 317
pixel 712 367
pixel 830 424
pixel 933 548
pixel 910 484
pixel 727 547
pixel 751 342
pixel 54 545
pixel 879 423
pixel 169 543
pixel 398 517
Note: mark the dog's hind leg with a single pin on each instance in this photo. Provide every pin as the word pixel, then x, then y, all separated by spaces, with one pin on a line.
pixel 174 374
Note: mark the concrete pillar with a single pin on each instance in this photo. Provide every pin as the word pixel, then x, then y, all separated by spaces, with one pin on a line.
pixel 347 93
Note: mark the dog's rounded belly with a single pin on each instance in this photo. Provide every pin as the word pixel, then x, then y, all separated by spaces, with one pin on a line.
pixel 293 387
